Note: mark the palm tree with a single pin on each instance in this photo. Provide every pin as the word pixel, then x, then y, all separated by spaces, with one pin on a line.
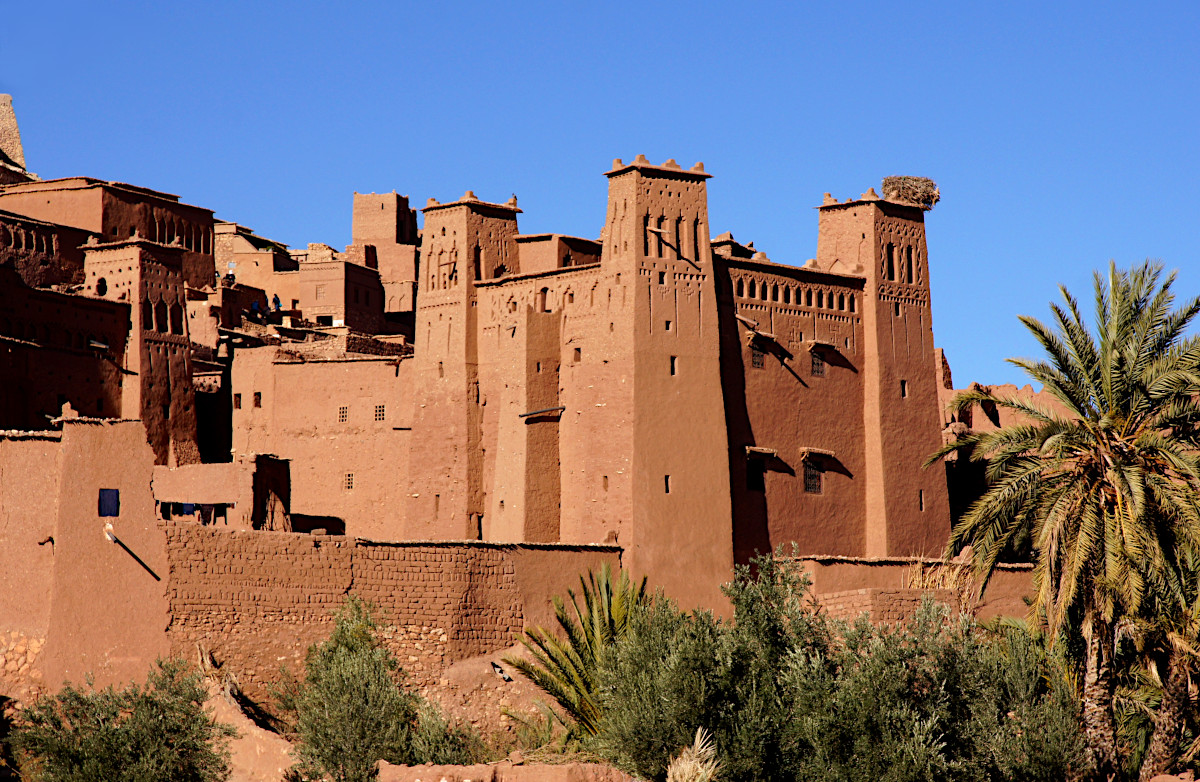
pixel 1107 492
pixel 566 667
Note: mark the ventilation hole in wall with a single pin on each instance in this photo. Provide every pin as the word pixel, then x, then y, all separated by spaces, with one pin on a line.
pixel 667 326
pixel 903 389
pixel 348 481
pixel 674 364
pixel 604 482
pixel 343 414
pixel 577 356
pixel 666 484
pixel 920 499
pixel 381 412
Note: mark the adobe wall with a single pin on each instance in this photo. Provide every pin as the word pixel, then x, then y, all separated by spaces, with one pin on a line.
pixel 57 348
pixel 297 415
pixel 840 576
pixel 29 477
pixel 108 610
pixel 795 389
pixel 258 599
pixel 42 253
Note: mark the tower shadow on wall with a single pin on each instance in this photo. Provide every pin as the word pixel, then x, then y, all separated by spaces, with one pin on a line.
pixel 747 492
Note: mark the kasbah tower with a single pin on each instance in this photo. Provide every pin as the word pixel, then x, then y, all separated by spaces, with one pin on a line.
pixel 690 401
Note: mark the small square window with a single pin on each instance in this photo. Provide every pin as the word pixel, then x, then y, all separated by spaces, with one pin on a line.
pixel 818 365
pixel 757 358
pixel 108 504
pixel 348 481
pixel 380 412
pixel 258 398
pixel 812 479
pixel 343 414
pixel 237 401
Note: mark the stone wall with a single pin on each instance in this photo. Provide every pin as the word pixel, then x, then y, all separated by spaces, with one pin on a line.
pixel 882 606
pixel 256 600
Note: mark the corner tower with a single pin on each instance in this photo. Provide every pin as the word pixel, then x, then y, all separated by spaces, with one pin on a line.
pixel 907 508
pixel 655 252
pixel 446 470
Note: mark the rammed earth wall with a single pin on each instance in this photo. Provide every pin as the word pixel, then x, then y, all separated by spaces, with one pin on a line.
pixel 256 600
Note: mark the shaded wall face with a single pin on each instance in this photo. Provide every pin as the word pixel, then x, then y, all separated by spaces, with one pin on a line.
pixel 57 354
pixel 42 255
pixel 796 395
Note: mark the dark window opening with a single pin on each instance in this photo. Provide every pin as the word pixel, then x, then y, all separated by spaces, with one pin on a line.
pixel 813 479
pixel 921 499
pixel 258 398
pixel 662 278
pixel 578 355
pixel 666 484
pixel 891 261
pixel 674 359
pixel 903 389
pixel 237 401
pixel 897 309
pixel 756 475
pixel 108 504
pixel 668 326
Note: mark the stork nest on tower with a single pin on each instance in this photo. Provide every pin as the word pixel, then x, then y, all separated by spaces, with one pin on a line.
pixel 917 190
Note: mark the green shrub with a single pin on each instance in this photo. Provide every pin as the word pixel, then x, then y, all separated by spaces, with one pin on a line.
pixel 932 699
pixel 350 712
pixel 156 733
pixel 675 673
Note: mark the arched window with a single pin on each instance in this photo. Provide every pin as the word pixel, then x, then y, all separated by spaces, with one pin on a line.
pixel 820 299
pixel 543 300
pixel 741 287
pixel 851 302
pixel 176 319
pixel 147 315
pixel 891 261
pixel 101 287
pixel 808 298
pixel 160 316
pixel 750 289
pixel 774 293
pixel 787 295
pixel 841 301
pixel 908 265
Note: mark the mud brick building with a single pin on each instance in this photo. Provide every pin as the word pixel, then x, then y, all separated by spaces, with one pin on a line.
pixel 455 419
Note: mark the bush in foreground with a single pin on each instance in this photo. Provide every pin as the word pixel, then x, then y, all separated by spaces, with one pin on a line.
pixel 350 712
pixel 156 733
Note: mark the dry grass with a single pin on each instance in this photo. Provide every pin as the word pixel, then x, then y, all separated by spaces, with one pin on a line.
pixel 954 576
pixel 697 763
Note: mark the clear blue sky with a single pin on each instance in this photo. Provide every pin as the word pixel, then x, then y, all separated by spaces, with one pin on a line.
pixel 1061 134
